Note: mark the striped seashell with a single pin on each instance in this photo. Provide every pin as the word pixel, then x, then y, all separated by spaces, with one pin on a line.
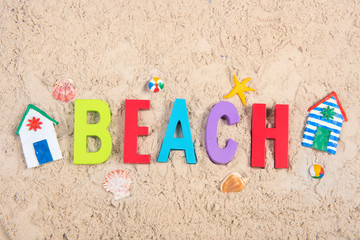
pixel 64 90
pixel 118 182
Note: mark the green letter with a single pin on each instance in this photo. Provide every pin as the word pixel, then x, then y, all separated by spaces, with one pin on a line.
pixel 82 130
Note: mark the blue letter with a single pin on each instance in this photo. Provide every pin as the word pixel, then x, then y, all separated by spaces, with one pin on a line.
pixel 178 115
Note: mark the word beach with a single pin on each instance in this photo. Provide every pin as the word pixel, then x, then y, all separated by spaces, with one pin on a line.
pixel 179 115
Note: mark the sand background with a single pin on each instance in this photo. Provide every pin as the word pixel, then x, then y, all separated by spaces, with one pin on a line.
pixel 296 53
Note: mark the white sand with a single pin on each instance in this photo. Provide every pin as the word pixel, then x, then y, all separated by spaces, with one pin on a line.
pixel 295 53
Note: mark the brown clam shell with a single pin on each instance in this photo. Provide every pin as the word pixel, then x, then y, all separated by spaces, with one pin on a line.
pixel 233 183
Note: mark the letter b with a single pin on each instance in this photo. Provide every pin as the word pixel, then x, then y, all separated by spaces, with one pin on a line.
pixel 82 130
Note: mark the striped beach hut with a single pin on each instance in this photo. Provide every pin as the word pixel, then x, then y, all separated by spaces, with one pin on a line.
pixel 325 120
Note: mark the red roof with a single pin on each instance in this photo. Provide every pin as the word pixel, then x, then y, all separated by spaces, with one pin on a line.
pixel 333 94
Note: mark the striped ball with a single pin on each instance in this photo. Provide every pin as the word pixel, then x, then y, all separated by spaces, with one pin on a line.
pixel 316 171
pixel 156 84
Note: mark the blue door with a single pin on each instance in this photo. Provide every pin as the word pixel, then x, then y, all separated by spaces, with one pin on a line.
pixel 42 152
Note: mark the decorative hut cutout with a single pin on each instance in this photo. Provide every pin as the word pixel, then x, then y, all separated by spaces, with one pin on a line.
pixel 325 120
pixel 38 137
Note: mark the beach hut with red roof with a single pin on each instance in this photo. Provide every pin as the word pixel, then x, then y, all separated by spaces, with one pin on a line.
pixel 325 120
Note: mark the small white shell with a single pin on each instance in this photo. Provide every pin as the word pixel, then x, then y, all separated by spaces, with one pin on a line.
pixel 118 182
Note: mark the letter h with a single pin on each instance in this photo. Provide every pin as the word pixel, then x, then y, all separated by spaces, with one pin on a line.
pixel 280 134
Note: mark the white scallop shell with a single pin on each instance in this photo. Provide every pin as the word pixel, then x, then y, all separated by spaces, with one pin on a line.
pixel 118 182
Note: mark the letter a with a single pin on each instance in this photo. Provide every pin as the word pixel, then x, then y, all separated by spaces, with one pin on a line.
pixel 82 130
pixel 217 154
pixel 260 132
pixel 178 114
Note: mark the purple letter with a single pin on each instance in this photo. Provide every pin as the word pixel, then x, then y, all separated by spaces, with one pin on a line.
pixel 217 154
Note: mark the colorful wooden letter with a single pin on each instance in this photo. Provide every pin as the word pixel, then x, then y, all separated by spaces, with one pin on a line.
pixel 82 130
pixel 178 115
pixel 217 154
pixel 279 134
pixel 132 131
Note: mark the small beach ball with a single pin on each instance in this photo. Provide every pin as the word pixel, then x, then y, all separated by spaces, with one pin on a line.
pixel 156 84
pixel 316 171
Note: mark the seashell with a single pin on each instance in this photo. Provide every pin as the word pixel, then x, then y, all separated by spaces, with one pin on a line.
pixel 118 182
pixel 64 90
pixel 156 84
pixel 317 171
pixel 233 183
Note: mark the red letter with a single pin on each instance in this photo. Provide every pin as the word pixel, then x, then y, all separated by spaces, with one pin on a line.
pixel 279 134
pixel 132 131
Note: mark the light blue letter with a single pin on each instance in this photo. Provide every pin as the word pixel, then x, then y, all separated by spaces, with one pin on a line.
pixel 178 115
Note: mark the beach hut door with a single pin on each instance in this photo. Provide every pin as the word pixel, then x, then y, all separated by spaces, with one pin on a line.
pixel 42 152
pixel 321 139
